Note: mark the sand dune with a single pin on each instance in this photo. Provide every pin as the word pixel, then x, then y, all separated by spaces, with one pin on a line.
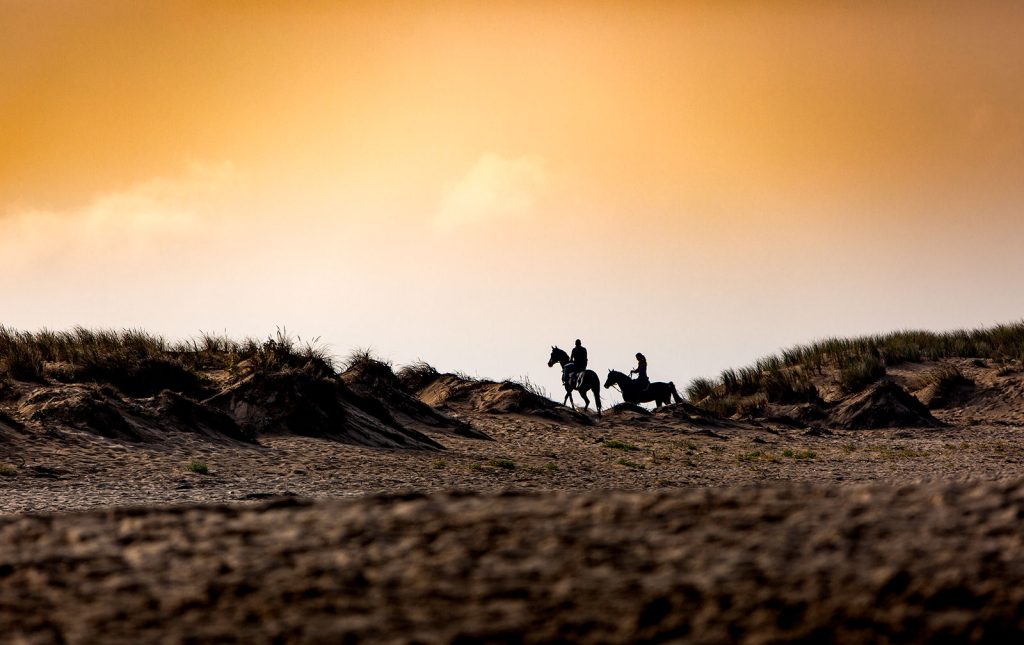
pixel 885 513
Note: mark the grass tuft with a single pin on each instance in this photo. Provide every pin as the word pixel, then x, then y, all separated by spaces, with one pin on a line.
pixel 799 454
pixel 620 445
pixel 197 467
pixel 418 375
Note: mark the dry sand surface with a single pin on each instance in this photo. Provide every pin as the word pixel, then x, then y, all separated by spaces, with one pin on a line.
pixel 719 529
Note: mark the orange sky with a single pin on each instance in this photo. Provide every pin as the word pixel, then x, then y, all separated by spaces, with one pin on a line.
pixel 472 182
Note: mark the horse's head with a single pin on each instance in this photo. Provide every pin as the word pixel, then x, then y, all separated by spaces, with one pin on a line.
pixel 557 356
pixel 614 378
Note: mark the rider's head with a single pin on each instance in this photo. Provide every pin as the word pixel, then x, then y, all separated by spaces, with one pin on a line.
pixel 578 343
pixel 639 356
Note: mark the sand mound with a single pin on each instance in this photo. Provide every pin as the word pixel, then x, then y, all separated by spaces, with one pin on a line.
pixel 200 418
pixel 695 417
pixel 920 563
pixel 628 412
pixel 101 411
pixel 9 426
pixel 307 403
pixel 944 387
pixel 375 379
pixel 883 405
pixel 141 377
pixel 83 407
pixel 451 390
pixel 796 415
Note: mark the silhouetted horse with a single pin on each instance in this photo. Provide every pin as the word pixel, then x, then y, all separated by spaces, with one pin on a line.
pixel 633 392
pixel 589 381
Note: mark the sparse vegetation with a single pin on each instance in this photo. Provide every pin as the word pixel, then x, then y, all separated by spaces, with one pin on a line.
pixel 531 387
pixel 853 362
pixel 506 464
pixel 198 467
pixel 757 455
pixel 700 389
pixel 440 464
pixel 861 372
pixel 7 470
pixel 799 454
pixel 691 446
pixel 126 357
pixel 418 375
pixel 620 445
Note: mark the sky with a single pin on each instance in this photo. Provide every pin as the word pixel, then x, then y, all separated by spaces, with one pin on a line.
pixel 470 183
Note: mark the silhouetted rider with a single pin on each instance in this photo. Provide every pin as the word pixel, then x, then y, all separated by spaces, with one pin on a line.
pixel 579 356
pixel 641 370
pixel 577 362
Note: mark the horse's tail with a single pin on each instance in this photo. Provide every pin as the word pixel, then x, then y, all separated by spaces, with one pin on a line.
pixel 597 396
pixel 674 393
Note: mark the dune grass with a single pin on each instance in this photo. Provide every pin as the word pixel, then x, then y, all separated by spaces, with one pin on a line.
pixel 855 363
pixel 88 354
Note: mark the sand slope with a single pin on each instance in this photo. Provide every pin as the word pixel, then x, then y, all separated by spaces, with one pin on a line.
pixel 779 562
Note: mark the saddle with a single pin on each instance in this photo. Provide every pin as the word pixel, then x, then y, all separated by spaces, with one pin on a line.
pixel 571 378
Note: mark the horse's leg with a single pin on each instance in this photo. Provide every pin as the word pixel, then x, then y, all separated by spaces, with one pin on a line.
pixel 586 401
pixel 571 402
pixel 565 398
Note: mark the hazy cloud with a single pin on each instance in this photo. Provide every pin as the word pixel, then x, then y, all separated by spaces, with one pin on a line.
pixel 131 221
pixel 494 187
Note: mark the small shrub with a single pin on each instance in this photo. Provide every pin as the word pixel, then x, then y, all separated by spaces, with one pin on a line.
pixel 417 376
pixel 551 467
pixel 722 406
pixel 506 464
pixel 700 389
pixel 860 373
pixel 198 467
pixel 789 386
pixel 620 445
pixel 440 464
pixel 7 470
pixel 531 387
pixel 24 363
pixel 752 406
